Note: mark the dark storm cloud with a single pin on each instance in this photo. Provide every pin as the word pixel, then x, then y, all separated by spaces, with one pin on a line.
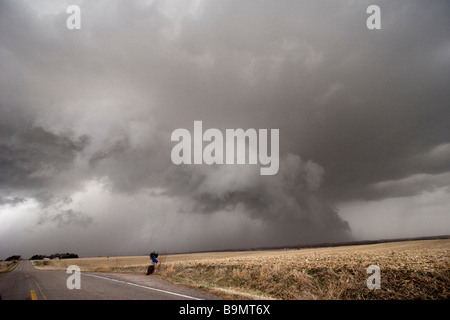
pixel 289 198
pixel 31 158
pixel 363 114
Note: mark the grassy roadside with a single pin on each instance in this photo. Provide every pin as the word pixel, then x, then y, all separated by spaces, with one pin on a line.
pixel 8 266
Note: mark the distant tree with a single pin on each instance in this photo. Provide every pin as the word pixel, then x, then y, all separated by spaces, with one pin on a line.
pixel 15 257
pixel 55 256
pixel 68 256
pixel 37 257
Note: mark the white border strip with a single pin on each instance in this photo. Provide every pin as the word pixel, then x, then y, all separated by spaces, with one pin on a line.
pixel 141 286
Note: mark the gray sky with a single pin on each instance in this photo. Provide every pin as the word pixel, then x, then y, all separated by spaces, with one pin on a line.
pixel 86 118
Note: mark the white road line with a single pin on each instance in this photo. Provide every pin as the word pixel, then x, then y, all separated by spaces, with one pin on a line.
pixel 141 286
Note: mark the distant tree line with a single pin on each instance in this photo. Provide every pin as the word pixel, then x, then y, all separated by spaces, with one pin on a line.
pixel 15 257
pixel 55 256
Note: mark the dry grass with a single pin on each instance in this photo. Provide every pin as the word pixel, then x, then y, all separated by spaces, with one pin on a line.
pixel 409 270
pixel 133 264
pixel 7 266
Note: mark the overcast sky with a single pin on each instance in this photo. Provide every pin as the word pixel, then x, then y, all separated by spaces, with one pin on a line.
pixel 86 118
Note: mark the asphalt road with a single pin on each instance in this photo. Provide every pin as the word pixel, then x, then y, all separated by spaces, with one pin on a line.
pixel 28 283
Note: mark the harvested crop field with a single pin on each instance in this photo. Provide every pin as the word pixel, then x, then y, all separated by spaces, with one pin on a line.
pixel 409 270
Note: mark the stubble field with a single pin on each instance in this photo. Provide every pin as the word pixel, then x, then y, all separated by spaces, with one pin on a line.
pixel 409 270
